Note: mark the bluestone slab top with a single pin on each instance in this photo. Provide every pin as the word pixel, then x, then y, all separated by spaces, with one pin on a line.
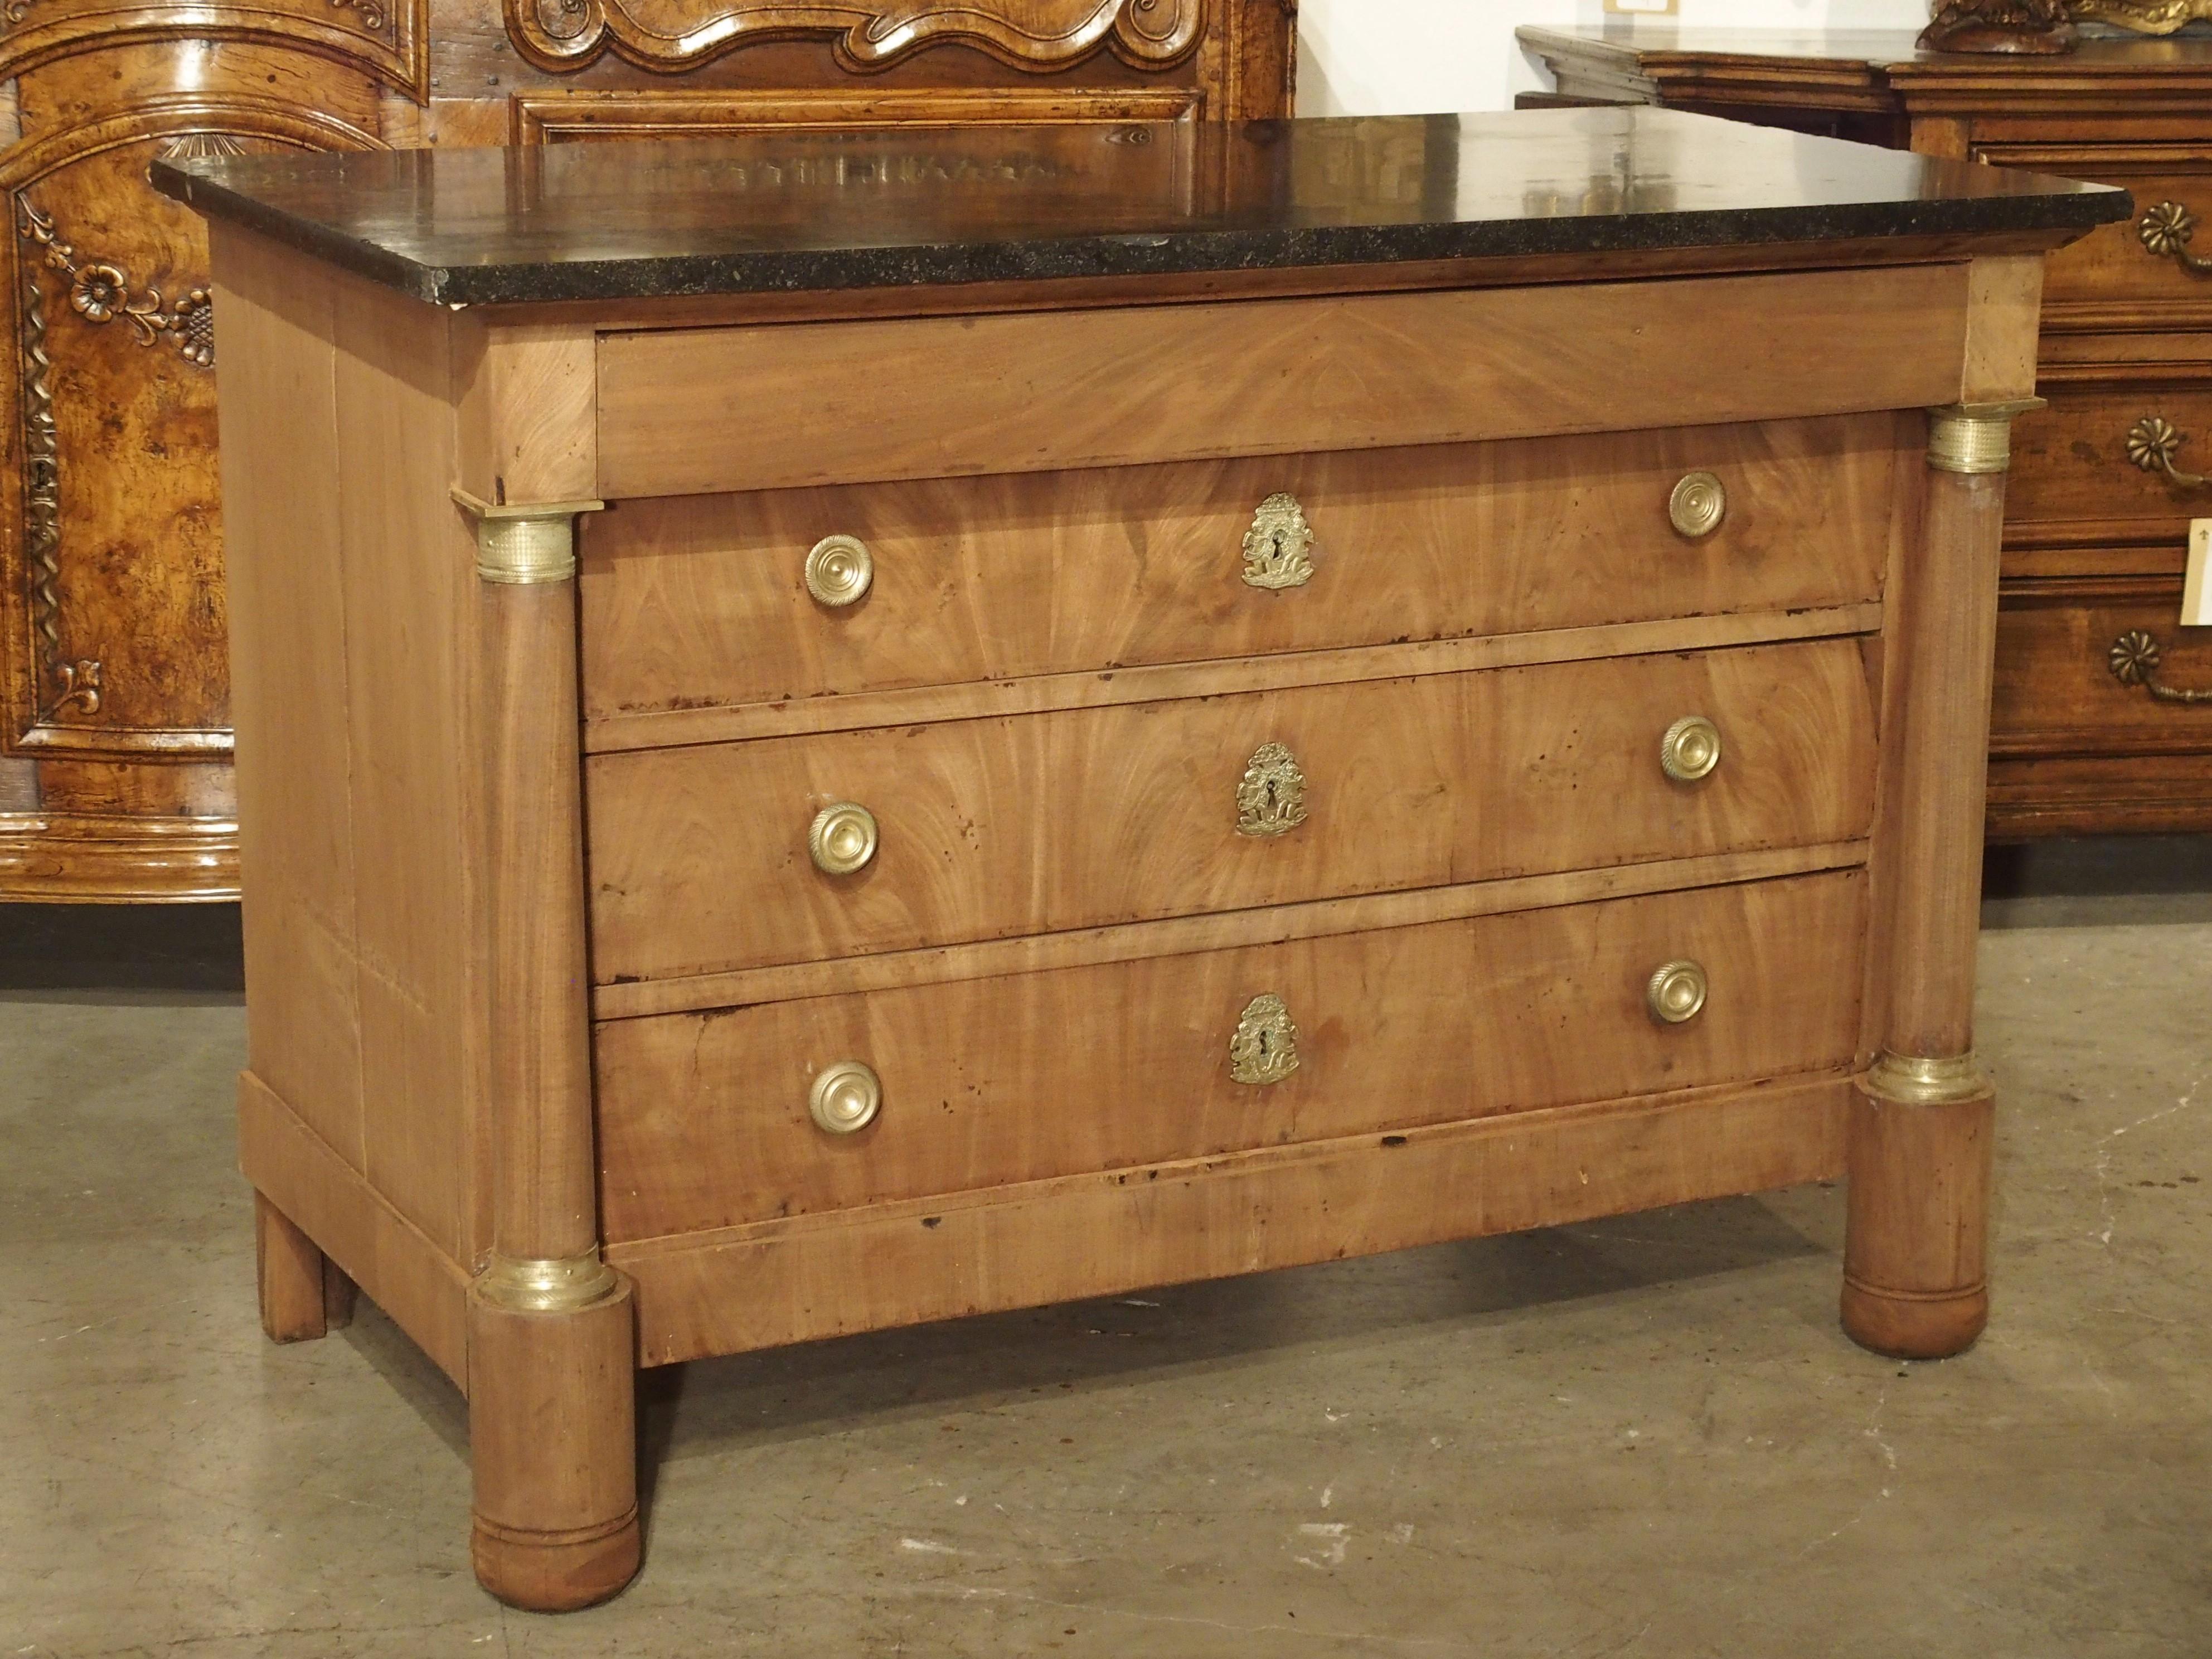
pixel 891 207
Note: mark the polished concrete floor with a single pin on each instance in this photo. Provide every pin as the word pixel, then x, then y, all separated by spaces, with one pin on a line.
pixel 1644 1437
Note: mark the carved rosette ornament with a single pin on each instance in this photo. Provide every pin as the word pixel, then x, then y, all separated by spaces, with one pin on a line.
pixel 868 35
pixel 2000 26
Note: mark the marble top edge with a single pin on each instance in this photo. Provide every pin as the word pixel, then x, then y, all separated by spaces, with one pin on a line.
pixel 900 207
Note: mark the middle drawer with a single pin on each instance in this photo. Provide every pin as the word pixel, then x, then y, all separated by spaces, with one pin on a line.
pixel 700 857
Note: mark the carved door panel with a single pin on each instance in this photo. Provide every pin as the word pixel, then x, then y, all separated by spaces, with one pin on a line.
pixel 117 645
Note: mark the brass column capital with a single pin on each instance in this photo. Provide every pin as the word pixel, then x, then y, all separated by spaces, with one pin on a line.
pixel 536 543
pixel 1909 1080
pixel 1974 438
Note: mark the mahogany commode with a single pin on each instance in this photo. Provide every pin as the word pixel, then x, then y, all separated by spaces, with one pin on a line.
pixel 857 729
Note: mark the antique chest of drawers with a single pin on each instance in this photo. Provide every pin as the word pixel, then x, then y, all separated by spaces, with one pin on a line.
pixel 845 731
pixel 2093 729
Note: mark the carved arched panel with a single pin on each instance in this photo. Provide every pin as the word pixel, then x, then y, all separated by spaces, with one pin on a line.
pixel 116 637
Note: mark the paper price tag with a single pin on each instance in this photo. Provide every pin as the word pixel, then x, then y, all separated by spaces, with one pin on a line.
pixel 2197 591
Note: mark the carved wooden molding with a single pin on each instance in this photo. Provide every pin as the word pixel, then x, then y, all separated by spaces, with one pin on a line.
pixel 869 34
pixel 389 38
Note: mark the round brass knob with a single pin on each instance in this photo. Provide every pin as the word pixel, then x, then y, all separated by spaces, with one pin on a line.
pixel 845 1098
pixel 1698 504
pixel 1676 993
pixel 1690 749
pixel 842 838
pixel 839 570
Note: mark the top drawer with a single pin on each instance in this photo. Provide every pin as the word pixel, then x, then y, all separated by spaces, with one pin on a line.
pixel 698 601
pixel 2116 277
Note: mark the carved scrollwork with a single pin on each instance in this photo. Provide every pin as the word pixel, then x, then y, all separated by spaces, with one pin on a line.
pixel 869 34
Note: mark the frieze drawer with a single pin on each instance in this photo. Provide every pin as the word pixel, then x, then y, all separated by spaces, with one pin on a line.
pixel 697 601
pixel 721 857
pixel 707 1120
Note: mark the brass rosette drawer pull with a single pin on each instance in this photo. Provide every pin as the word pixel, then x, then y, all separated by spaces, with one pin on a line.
pixel 845 1097
pixel 2165 229
pixel 1691 750
pixel 839 570
pixel 1264 1047
pixel 2152 442
pixel 2134 660
pixel 1698 505
pixel 1675 993
pixel 842 838
pixel 1271 796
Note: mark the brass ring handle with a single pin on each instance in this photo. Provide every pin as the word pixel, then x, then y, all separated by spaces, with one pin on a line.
pixel 2165 229
pixel 1698 505
pixel 1676 992
pixel 842 838
pixel 2134 661
pixel 845 1098
pixel 839 570
pixel 2152 442
pixel 1690 749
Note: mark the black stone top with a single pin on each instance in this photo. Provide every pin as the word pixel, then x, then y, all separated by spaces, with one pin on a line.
pixel 1895 53
pixel 890 207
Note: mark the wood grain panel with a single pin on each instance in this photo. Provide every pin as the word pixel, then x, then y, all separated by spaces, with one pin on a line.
pixel 807 1277
pixel 703 1117
pixel 407 579
pixel 570 115
pixel 993 828
pixel 674 728
pixel 846 403
pixel 692 601
pixel 1138 941
pixel 2095 795
pixel 2056 693
pixel 288 686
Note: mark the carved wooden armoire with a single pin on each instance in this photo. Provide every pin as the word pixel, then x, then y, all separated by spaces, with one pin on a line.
pixel 115 773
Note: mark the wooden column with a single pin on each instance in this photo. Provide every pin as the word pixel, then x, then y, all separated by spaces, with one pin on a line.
pixel 1922 1124
pixel 551 1344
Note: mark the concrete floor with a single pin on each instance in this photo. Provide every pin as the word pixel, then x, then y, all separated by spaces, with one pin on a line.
pixel 1644 1437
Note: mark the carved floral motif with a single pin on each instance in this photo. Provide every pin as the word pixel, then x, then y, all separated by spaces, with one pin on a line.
pixel 99 293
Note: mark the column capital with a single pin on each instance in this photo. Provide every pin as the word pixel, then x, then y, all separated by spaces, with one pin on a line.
pixel 1975 438
pixel 535 543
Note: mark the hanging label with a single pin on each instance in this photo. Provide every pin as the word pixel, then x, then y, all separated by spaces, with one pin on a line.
pixel 2197 591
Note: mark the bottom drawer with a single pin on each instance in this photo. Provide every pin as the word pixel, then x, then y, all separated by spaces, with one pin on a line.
pixel 2057 692
pixel 704 1119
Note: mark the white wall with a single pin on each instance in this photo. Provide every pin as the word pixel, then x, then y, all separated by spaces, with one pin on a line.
pixel 1389 57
